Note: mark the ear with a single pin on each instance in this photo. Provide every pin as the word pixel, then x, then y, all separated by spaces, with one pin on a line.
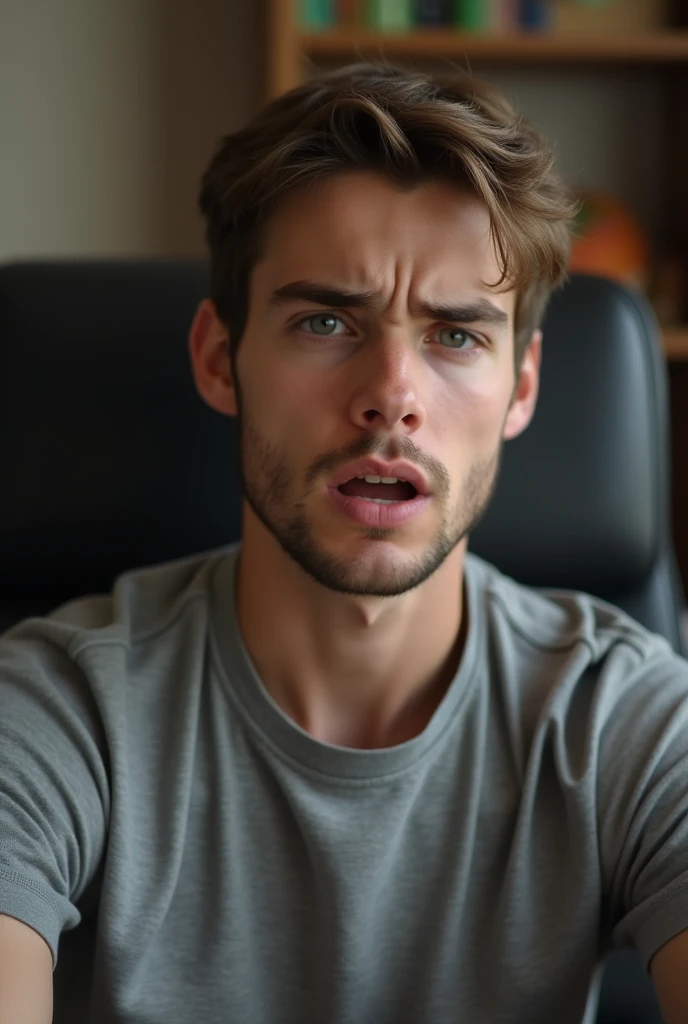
pixel 526 391
pixel 209 351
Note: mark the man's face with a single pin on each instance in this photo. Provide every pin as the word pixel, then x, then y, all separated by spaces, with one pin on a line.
pixel 422 372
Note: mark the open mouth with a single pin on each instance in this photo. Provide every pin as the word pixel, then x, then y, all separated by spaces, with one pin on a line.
pixel 382 490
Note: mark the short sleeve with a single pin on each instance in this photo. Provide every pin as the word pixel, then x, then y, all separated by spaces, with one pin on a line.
pixel 54 795
pixel 642 711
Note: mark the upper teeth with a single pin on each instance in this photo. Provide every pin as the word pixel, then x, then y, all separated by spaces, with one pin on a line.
pixel 382 479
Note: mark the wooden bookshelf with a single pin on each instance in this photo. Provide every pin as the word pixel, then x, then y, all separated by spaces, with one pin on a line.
pixel 669 47
pixel 675 343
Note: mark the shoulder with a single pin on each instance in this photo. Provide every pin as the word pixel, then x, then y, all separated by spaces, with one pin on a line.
pixel 566 660
pixel 143 603
pixel 97 645
pixel 549 620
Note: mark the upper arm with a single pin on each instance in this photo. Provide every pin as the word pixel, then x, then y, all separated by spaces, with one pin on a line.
pixel 641 799
pixel 53 784
pixel 26 974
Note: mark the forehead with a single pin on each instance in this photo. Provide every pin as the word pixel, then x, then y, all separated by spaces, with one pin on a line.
pixel 359 229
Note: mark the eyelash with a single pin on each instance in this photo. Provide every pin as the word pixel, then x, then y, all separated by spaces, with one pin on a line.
pixel 325 337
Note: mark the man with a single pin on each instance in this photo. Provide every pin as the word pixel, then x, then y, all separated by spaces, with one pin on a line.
pixel 346 771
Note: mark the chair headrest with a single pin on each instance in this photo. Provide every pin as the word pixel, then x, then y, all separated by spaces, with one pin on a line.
pixel 109 459
pixel 583 496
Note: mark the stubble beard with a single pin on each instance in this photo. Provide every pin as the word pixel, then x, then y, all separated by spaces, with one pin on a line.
pixel 270 491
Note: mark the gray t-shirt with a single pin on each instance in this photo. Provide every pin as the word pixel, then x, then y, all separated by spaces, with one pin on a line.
pixel 199 857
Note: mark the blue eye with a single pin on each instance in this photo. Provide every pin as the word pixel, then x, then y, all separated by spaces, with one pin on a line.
pixel 457 337
pixel 325 323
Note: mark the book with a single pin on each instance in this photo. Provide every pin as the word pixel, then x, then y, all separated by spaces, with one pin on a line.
pixel 534 15
pixel 433 13
pixel 389 15
pixel 473 15
pixel 314 14
pixel 505 15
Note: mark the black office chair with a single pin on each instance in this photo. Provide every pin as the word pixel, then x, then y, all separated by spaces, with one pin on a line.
pixel 110 460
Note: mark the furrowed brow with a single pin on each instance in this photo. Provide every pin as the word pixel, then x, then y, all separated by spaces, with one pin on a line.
pixel 481 311
pixel 324 295
pixel 478 311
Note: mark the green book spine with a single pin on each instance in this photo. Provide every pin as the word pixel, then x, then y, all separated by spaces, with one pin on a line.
pixel 316 13
pixel 473 15
pixel 389 15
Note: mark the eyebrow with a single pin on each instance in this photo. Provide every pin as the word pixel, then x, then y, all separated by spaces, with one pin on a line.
pixel 477 311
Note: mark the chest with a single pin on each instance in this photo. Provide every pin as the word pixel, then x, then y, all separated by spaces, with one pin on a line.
pixel 256 891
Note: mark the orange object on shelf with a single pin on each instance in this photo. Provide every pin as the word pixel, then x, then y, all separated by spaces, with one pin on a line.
pixel 608 240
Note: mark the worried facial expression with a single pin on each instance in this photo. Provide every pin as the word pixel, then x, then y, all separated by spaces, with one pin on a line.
pixel 375 380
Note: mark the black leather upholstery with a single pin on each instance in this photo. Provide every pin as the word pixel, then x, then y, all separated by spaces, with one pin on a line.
pixel 109 459
pixel 583 498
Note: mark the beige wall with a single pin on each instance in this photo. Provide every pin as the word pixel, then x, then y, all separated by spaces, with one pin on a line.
pixel 109 110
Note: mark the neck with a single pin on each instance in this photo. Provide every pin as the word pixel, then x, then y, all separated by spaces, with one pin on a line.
pixel 352 671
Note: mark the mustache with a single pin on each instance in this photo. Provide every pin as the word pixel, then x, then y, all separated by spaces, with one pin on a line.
pixel 388 449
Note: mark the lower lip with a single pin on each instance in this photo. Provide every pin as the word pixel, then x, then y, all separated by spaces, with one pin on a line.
pixel 369 513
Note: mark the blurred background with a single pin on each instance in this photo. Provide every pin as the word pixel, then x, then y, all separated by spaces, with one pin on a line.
pixel 110 110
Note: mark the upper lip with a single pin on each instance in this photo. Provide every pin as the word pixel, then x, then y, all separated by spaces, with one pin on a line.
pixel 374 467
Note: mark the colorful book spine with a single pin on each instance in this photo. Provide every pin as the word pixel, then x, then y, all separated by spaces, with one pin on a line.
pixel 390 15
pixel 534 15
pixel 473 15
pixel 505 15
pixel 314 14
pixel 433 13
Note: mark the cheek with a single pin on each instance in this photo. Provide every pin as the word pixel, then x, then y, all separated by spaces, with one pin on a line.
pixel 289 407
pixel 472 416
pixel 264 390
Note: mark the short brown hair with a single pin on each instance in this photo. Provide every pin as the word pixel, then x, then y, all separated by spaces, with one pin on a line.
pixel 409 126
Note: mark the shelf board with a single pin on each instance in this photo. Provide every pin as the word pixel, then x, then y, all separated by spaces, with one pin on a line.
pixel 675 343
pixel 666 47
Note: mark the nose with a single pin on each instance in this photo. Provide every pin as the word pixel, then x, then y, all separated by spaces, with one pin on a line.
pixel 386 392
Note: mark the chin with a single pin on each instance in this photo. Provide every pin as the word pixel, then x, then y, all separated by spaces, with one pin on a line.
pixel 368 567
